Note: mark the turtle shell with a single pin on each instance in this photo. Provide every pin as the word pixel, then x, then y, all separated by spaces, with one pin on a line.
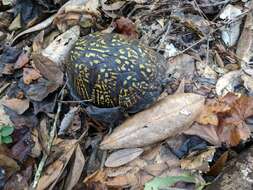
pixel 110 70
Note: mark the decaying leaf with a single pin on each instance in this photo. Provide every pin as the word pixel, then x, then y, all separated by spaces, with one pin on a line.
pixel 122 157
pixel 199 162
pixel 23 59
pixel 30 75
pixel 48 68
pixel 230 33
pixel 244 48
pixel 9 164
pixel 76 169
pixel 168 117
pixel 228 82
pixel 39 90
pixel 54 170
pixel 206 132
pixel 4 117
pixel 218 165
pixel 17 105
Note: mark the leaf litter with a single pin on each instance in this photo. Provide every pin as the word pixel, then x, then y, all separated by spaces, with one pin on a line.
pixel 204 113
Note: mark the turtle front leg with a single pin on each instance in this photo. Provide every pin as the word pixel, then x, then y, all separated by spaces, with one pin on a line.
pixel 110 116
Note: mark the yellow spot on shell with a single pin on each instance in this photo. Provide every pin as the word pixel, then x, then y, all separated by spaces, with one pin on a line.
pixel 122 51
pixel 96 61
pixel 118 61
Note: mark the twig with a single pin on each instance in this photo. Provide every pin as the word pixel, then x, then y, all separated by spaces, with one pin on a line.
pixel 49 145
pixel 4 87
pixel 164 36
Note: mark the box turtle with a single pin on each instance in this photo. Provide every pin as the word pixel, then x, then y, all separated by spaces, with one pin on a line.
pixel 113 72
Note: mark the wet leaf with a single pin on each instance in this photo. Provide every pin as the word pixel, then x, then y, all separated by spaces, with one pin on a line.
pixel 122 157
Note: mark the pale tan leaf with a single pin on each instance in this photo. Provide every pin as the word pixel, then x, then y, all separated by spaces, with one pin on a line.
pixel 122 157
pixel 166 118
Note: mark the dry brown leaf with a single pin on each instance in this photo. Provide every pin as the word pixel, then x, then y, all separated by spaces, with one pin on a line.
pixel 48 68
pixel 17 105
pixel 232 128
pixel 122 157
pixel 76 169
pixel 206 132
pixel 166 118
pixel 30 75
pixel 209 114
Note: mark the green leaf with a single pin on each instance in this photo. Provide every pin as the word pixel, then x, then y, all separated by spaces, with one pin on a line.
pixel 159 182
pixel 7 140
pixel 6 130
pixel 1 140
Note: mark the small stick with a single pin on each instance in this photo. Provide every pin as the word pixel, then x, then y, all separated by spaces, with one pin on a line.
pixel 51 138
